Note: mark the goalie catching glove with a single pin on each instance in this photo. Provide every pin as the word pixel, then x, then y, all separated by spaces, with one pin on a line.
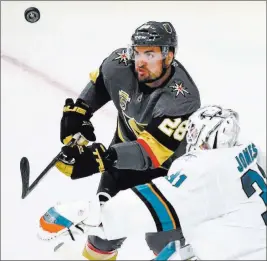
pixel 76 118
pixel 80 161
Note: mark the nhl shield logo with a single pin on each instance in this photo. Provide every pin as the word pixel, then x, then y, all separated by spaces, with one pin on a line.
pixel 124 98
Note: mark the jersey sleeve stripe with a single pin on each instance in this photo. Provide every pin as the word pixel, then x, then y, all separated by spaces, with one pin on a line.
pixel 93 75
pixel 156 151
pixel 157 207
pixel 152 211
pixel 120 132
pixel 150 153
pixel 169 205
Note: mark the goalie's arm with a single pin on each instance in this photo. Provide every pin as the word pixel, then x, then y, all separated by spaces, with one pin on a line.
pixel 133 211
pixel 115 219
pixel 125 215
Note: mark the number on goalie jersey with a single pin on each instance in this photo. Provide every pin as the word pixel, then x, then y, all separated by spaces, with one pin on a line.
pixel 220 197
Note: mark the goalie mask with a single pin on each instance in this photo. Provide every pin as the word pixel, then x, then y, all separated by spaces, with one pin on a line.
pixel 212 127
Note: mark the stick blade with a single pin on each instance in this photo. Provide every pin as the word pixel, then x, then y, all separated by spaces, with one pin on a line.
pixel 25 176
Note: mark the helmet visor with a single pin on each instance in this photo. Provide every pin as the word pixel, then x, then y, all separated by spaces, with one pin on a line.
pixel 147 53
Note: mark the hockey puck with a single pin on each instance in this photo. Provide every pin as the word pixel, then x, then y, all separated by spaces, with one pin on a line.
pixel 32 14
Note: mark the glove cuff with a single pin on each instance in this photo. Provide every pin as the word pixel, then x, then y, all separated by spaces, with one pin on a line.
pixel 109 158
pixel 82 104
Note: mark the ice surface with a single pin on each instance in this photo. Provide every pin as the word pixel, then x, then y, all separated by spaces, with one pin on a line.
pixel 221 44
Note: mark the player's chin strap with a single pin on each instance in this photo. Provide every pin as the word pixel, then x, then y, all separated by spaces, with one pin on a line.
pixel 165 66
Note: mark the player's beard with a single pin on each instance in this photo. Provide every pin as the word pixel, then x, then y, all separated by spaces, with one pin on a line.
pixel 150 78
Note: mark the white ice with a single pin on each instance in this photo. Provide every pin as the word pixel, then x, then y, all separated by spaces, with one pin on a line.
pixel 222 45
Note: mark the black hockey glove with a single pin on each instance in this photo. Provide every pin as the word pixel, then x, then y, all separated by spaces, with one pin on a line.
pixel 76 118
pixel 81 161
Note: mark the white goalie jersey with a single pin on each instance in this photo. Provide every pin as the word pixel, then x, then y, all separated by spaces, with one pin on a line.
pixel 219 196
pixel 221 202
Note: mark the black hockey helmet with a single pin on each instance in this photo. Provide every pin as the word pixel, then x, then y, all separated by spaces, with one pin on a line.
pixel 154 33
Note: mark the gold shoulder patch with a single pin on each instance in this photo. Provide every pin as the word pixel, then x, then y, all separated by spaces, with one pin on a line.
pixel 93 75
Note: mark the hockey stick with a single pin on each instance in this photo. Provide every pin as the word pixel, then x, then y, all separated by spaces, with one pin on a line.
pixel 25 169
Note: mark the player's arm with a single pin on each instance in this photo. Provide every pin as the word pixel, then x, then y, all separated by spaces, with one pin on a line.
pixel 118 219
pixel 163 137
pixel 76 115
pixel 155 145
pixel 95 93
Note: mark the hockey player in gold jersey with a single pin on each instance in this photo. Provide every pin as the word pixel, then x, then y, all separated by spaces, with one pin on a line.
pixel 154 96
